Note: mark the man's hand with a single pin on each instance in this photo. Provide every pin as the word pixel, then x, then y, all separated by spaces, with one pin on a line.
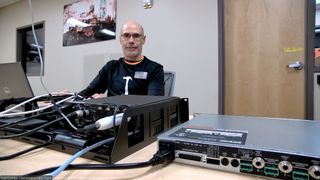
pixel 63 92
pixel 96 96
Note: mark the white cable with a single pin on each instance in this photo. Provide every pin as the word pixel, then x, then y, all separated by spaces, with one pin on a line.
pixel 80 113
pixel 30 100
pixel 107 122
pixel 21 104
pixel 38 48
pixel 36 110
pixel 68 120
pixel 41 69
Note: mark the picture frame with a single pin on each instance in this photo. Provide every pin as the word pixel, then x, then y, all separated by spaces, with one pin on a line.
pixel 88 21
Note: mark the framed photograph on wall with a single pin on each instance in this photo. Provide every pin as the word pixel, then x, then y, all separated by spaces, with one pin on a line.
pixel 88 21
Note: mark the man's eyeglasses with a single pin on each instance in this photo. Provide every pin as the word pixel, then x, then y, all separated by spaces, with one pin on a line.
pixel 134 36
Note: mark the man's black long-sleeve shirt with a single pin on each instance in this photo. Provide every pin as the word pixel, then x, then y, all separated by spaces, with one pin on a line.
pixel 119 78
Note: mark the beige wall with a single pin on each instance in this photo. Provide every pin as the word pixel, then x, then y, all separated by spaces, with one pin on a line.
pixel 181 34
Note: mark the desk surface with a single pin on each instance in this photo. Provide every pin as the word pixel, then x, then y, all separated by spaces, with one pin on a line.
pixel 43 158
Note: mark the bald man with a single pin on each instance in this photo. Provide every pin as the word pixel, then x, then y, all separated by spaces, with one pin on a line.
pixel 133 74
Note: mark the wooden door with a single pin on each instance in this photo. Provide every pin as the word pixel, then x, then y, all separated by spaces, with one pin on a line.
pixel 262 37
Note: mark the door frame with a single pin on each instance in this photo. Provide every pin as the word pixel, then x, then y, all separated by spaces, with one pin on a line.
pixel 21 50
pixel 309 57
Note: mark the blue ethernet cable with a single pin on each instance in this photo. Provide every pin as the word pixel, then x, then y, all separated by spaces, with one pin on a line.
pixel 78 154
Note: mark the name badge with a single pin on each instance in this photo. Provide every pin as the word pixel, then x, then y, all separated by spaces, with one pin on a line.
pixel 140 75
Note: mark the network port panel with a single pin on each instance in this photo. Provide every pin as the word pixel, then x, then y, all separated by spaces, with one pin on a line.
pixel 264 147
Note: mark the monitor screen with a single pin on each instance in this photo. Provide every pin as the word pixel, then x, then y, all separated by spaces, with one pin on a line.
pixel 13 81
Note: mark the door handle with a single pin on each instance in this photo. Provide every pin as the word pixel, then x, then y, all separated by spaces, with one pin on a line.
pixel 295 66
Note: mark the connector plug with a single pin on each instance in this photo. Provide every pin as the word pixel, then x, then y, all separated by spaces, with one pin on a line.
pixel 162 157
pixel 107 122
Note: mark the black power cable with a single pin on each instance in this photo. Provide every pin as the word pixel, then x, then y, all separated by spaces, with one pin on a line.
pixel 2 158
pixel 160 157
